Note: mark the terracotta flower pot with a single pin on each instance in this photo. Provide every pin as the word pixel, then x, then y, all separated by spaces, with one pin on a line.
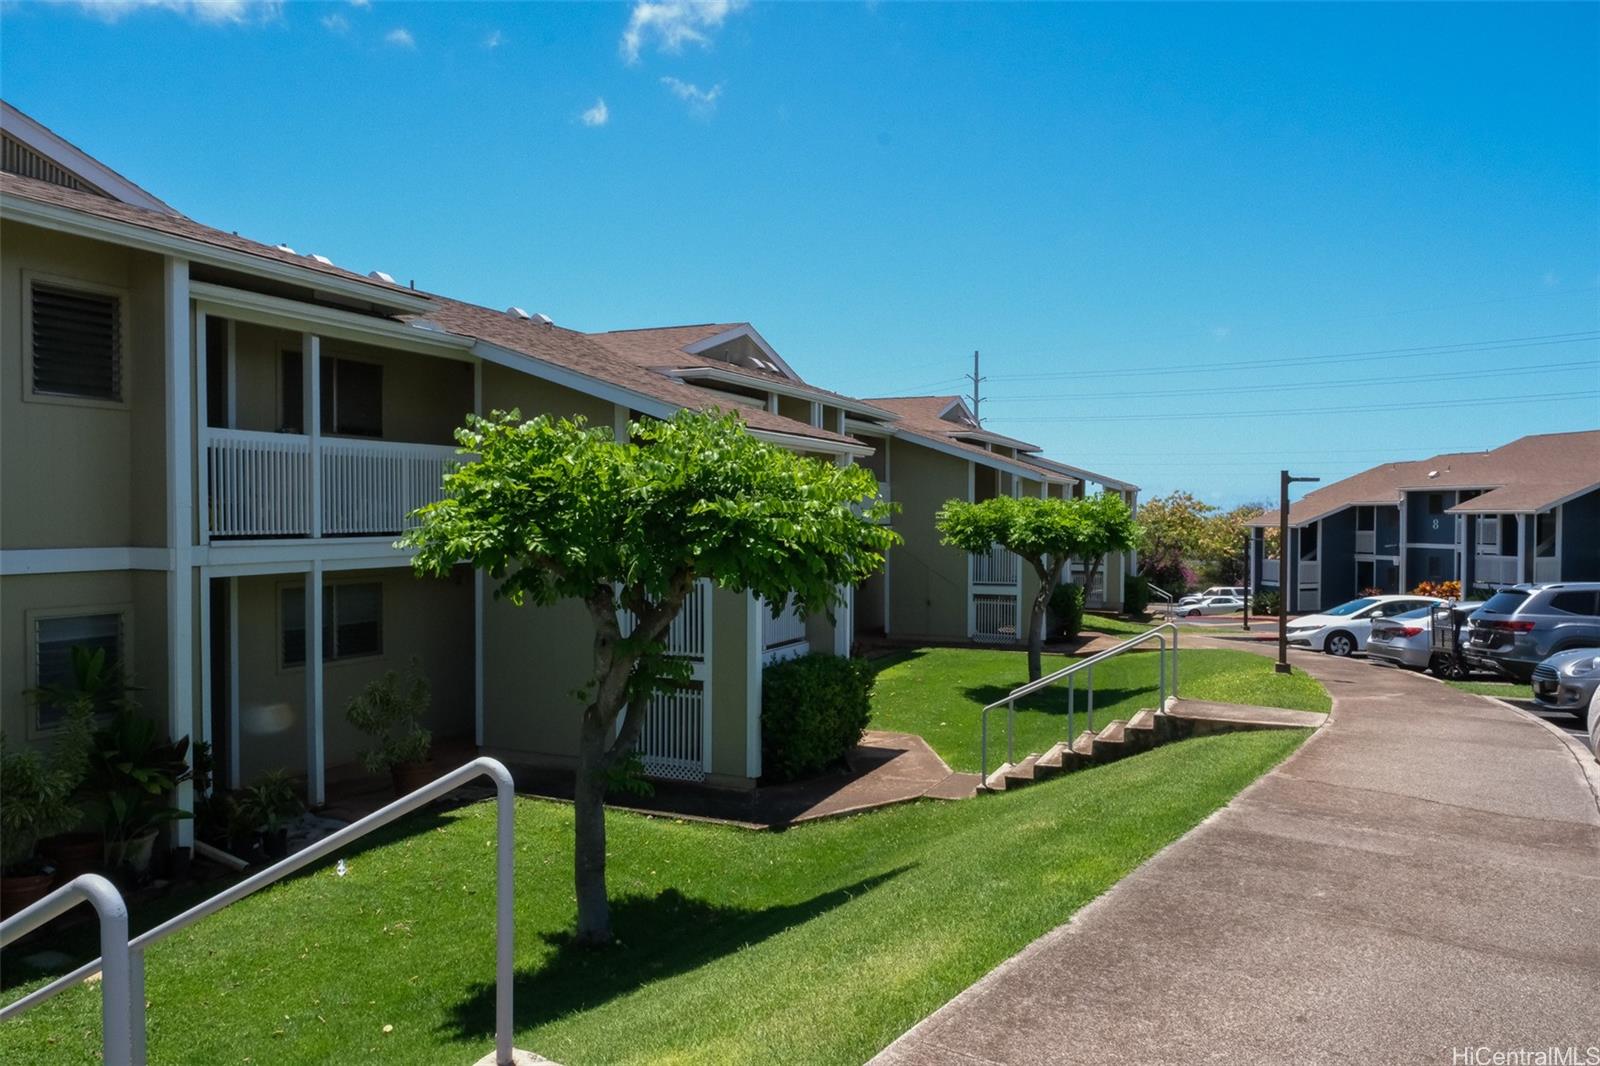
pixel 20 890
pixel 73 853
pixel 408 777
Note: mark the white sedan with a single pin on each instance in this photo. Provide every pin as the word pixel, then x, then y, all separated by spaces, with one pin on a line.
pixel 1210 605
pixel 1214 590
pixel 1343 630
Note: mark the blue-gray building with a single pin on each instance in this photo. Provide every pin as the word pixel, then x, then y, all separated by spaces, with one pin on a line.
pixel 1526 511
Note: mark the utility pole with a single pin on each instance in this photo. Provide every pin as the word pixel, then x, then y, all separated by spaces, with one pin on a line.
pixel 977 396
pixel 1284 481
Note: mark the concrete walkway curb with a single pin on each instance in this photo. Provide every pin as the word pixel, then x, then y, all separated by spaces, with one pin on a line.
pixel 1417 878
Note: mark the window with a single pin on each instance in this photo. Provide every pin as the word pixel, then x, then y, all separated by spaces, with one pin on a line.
pixel 1574 603
pixel 1544 536
pixel 1508 534
pixel 1308 542
pixel 352 622
pixel 351 395
pixel 1488 531
pixel 55 636
pixel 75 341
pixel 1435 503
pixel 1365 518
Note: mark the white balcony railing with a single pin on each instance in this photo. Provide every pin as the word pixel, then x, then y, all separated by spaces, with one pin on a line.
pixel 687 635
pixel 1366 541
pixel 786 629
pixel 1269 570
pixel 1546 568
pixel 1310 572
pixel 997 566
pixel 260 483
pixel 994 617
pixel 1495 569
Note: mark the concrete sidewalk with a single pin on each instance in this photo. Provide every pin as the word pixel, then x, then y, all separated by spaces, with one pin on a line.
pixel 1422 876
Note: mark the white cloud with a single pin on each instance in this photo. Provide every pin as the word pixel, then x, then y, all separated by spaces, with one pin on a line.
pixel 336 23
pixel 210 11
pixel 672 23
pixel 360 3
pixel 400 37
pixel 1221 332
pixel 598 115
pixel 701 101
pixel 494 40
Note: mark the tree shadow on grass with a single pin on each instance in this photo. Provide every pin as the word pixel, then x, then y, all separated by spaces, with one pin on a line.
pixel 656 937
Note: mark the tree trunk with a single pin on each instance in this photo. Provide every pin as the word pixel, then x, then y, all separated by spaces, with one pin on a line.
pixel 1036 620
pixel 1089 574
pixel 589 823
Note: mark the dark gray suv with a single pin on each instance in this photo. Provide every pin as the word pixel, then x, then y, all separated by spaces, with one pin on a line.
pixel 1521 626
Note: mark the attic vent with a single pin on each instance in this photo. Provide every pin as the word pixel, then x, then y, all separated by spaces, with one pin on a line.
pixel 1433 473
pixel 542 319
pixel 517 312
pixel 285 248
pixel 17 158
pixel 77 342
pixel 324 260
pixel 378 275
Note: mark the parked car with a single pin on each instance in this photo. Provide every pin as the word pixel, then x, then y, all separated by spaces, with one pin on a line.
pixel 1236 591
pixel 1567 681
pixel 1406 640
pixel 1211 605
pixel 1594 724
pixel 1343 630
pixel 1521 626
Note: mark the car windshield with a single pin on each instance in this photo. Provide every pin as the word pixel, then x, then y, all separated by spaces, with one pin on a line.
pixel 1420 612
pixel 1352 607
pixel 1505 601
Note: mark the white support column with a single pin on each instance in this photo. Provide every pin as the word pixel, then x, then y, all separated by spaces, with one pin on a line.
pixel 752 729
pixel 1403 553
pixel 233 684
pixel 311 390
pixel 816 413
pixel 707 696
pixel 204 626
pixel 316 766
pixel 201 432
pixel 844 622
pixel 772 402
pixel 180 522
pixel 1522 548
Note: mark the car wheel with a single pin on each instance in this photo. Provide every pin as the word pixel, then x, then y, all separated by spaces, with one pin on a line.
pixel 1340 643
pixel 1192 614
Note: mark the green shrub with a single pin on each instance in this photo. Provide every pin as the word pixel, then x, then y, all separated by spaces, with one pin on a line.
pixel 390 711
pixel 813 711
pixel 1266 601
pixel 1135 594
pixel 1066 610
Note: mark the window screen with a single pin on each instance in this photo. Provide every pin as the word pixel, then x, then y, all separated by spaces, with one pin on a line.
pixel 352 622
pixel 77 343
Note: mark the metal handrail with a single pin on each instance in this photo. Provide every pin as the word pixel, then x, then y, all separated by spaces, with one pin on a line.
pixel 116 1011
pixel 1170 601
pixel 133 1029
pixel 1158 633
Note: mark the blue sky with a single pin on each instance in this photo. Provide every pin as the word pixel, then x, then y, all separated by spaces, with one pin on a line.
pixel 1119 205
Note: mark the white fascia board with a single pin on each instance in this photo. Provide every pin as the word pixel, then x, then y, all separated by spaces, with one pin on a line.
pixel 17 561
pixel 990 459
pixel 796 442
pixel 70 157
pixel 798 390
pixel 1550 506
pixel 742 330
pixel 1087 475
pixel 302 317
pixel 82 224
pixel 239 558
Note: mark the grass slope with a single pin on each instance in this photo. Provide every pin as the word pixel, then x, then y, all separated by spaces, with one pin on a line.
pixel 1506 690
pixel 938 693
pixel 816 945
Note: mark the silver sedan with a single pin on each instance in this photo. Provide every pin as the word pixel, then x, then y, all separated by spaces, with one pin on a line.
pixel 1404 640
pixel 1567 681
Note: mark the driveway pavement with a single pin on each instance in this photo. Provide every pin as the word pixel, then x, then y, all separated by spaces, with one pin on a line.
pixel 1420 877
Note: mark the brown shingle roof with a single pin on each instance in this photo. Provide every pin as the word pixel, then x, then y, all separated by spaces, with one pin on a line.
pixel 919 417
pixel 1529 474
pixel 43 192
pixel 579 352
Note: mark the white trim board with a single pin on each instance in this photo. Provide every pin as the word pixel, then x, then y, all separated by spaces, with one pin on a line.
pixel 83 166
pixel 295 315
pixel 15 561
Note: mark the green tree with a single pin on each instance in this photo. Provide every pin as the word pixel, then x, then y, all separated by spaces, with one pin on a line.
pixel 1046 534
pixel 553 509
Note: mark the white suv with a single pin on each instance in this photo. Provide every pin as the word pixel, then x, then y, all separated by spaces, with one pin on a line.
pixel 1343 630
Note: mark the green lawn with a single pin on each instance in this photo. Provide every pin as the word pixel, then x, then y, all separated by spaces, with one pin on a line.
pixel 1506 690
pixel 1115 626
pixel 937 693
pixel 820 944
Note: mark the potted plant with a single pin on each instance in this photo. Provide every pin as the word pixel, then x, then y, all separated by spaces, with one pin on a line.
pixel 268 806
pixel 131 774
pixel 36 799
pixel 390 711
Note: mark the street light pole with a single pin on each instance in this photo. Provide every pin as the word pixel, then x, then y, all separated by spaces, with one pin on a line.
pixel 1249 543
pixel 1284 481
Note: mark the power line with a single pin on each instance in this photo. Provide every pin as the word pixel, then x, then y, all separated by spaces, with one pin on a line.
pixel 1426 405
pixel 1230 390
pixel 1422 351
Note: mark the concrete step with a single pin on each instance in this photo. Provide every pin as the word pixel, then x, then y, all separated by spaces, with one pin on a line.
pixel 1058 759
pixel 1187 718
pixel 996 782
pixel 1141 731
pixel 1023 773
pixel 1083 745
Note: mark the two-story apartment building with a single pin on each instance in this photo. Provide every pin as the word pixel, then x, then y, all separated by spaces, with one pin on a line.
pixel 1526 511
pixel 210 445
pixel 934 451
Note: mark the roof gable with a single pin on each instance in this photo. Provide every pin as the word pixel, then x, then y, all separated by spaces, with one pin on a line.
pixel 33 150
